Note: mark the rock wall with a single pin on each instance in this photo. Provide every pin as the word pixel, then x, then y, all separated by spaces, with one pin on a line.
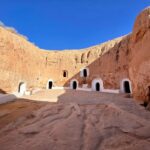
pixel 140 56
pixel 118 59
pixel 109 64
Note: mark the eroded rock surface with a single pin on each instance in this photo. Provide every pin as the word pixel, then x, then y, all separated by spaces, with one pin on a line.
pixel 88 122
pixel 127 57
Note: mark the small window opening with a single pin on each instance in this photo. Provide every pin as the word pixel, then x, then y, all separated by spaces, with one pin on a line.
pixel 65 74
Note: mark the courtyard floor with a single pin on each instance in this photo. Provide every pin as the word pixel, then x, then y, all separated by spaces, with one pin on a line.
pixel 74 120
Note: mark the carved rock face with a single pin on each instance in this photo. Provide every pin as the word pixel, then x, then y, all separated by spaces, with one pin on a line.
pixel 140 55
pixel 113 61
pixel 142 24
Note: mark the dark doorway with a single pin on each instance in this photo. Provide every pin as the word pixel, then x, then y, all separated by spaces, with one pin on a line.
pixel 127 87
pixel 74 85
pixel 20 84
pixel 50 84
pixel 85 72
pixel 97 86
pixel 65 73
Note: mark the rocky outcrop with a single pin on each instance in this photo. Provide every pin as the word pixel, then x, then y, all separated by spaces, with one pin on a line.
pixel 140 55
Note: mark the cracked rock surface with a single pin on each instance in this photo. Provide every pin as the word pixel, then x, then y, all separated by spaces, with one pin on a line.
pixel 85 121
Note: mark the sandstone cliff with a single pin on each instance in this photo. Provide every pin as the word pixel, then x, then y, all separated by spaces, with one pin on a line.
pixel 140 57
pixel 124 57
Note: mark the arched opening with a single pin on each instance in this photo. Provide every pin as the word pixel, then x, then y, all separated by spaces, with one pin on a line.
pixel 127 87
pixel 22 88
pixel 50 85
pixel 65 73
pixel 84 72
pixel 97 86
pixel 74 85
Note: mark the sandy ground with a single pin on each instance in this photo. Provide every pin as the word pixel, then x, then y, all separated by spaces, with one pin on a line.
pixel 74 120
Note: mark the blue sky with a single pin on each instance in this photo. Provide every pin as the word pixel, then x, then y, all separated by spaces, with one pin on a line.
pixel 70 24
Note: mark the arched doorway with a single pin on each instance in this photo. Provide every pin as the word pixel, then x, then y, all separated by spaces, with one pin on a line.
pixel 22 88
pixel 97 86
pixel 84 72
pixel 74 85
pixel 127 87
pixel 50 85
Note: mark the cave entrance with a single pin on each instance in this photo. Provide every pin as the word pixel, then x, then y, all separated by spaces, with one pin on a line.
pixel 50 85
pixel 22 88
pixel 97 86
pixel 127 87
pixel 74 85
pixel 84 72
